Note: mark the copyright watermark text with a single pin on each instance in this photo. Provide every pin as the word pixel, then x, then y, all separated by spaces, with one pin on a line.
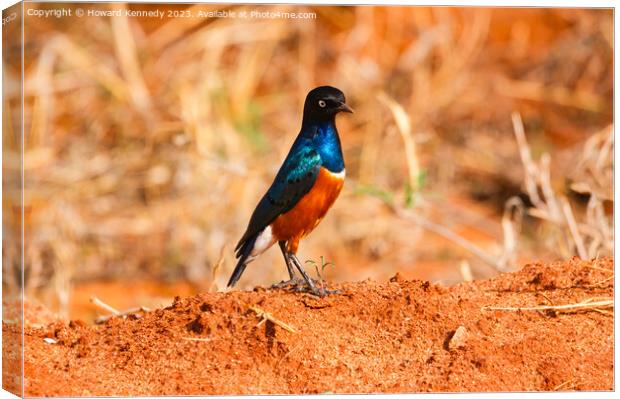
pixel 158 13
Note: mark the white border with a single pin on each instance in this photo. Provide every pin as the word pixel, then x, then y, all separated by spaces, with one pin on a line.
pixel 478 3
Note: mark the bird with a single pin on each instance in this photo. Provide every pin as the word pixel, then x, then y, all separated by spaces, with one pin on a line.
pixel 305 187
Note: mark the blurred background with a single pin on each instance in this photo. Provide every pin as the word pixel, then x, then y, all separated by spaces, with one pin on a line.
pixel 482 140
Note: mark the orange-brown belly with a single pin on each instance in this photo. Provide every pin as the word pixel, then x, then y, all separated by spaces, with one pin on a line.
pixel 311 208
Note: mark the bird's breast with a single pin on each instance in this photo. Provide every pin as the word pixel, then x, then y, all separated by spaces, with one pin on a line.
pixel 311 208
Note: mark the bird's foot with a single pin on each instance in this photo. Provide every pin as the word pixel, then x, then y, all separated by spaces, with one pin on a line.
pixel 294 282
pixel 323 292
pixel 319 289
pixel 300 285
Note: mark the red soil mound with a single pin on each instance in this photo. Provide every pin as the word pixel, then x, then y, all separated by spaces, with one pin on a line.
pixel 391 337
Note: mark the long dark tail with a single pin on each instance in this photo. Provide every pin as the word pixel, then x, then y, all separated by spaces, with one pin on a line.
pixel 244 249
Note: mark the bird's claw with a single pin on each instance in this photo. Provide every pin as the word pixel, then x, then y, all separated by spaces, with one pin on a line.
pixel 323 292
pixel 300 285
pixel 294 282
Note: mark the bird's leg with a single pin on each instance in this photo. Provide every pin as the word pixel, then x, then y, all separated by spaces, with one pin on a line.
pixel 294 280
pixel 291 269
pixel 307 278
pixel 311 286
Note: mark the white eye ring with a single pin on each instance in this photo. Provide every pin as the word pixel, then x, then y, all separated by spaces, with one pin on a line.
pixel 322 104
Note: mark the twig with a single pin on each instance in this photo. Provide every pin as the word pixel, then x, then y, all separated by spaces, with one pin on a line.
pixel 98 302
pixel 101 319
pixel 268 316
pixel 588 303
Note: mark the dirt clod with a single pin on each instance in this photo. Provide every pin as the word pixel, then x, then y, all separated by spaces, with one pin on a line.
pixel 458 339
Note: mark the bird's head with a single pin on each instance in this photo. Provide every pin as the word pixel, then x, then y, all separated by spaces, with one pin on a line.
pixel 323 103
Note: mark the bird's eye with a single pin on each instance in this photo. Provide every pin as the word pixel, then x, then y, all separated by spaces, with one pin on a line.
pixel 322 104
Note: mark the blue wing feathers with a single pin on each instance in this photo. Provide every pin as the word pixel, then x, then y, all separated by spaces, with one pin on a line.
pixel 294 180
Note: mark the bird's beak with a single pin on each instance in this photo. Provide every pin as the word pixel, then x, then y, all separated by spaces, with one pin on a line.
pixel 345 108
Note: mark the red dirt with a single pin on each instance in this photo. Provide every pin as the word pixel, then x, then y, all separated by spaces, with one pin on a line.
pixel 375 337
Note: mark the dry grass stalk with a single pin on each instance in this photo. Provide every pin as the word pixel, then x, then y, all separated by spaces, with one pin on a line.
pixel 594 173
pixel 114 312
pixel 586 239
pixel 465 270
pixel 511 226
pixel 268 316
pixel 572 227
pixel 132 311
pixel 100 304
pixel 588 304
pixel 127 52
pixel 404 128
pixel 81 59
pixel 217 267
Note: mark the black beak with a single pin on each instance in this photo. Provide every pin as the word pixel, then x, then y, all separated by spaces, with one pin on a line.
pixel 343 107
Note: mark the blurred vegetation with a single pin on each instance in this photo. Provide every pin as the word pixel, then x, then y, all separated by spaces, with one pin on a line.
pixel 149 142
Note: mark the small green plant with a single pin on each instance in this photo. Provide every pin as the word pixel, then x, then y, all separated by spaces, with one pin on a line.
pixel 323 266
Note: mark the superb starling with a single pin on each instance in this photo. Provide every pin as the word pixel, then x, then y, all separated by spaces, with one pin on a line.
pixel 305 187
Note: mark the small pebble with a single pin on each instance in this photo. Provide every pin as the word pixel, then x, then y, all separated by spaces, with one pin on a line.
pixel 458 339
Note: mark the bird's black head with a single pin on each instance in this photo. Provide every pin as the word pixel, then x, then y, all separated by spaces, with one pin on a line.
pixel 323 103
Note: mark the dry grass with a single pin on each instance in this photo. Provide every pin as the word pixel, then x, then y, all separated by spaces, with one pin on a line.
pixel 594 236
pixel 113 311
pixel 149 143
pixel 266 316
pixel 594 304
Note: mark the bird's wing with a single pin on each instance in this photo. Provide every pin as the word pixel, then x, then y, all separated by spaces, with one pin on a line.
pixel 295 178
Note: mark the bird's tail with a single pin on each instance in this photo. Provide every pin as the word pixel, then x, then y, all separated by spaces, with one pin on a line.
pixel 244 249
